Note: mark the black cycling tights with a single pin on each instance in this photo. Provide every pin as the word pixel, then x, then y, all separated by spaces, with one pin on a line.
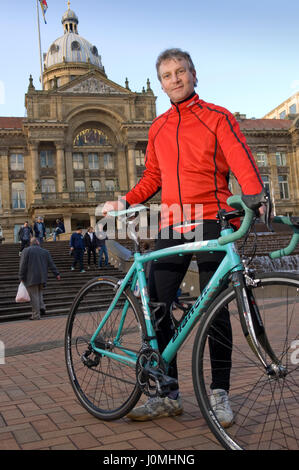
pixel 165 278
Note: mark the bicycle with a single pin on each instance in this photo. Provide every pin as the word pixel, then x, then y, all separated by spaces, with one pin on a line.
pixel 112 353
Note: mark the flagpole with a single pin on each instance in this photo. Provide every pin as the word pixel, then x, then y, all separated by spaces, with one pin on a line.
pixel 40 49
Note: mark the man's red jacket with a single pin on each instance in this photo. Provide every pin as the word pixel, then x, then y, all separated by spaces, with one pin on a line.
pixel 191 148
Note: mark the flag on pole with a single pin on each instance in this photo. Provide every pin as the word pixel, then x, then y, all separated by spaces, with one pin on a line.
pixel 44 7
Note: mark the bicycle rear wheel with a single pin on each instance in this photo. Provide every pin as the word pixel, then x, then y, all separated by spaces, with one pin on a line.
pixel 105 387
pixel 265 408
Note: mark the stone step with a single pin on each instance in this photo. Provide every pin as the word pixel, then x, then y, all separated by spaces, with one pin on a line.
pixel 58 295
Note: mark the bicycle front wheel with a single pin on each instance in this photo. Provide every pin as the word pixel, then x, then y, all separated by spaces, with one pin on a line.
pixel 265 407
pixel 106 387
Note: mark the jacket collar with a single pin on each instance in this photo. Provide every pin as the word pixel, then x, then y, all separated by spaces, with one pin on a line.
pixel 192 99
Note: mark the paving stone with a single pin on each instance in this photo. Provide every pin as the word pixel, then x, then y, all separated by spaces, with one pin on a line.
pixel 9 444
pixel 28 434
pixel 84 441
pixel 145 443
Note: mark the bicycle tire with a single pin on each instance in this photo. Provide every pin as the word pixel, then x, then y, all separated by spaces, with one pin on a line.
pixel 108 390
pixel 265 409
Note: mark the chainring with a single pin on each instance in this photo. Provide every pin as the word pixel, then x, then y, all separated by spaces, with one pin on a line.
pixel 148 358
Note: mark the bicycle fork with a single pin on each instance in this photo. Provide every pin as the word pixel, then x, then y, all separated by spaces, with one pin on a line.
pixel 253 327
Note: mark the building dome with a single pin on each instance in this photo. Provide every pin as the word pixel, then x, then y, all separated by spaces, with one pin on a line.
pixel 71 47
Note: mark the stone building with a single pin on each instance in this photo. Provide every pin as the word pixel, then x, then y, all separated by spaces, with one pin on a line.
pixel 84 137
pixel 82 142
pixel 287 109
pixel 275 146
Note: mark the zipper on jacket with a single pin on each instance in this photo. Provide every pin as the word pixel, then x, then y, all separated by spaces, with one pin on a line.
pixel 178 164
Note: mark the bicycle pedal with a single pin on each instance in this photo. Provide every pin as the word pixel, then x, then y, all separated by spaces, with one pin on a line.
pixel 163 382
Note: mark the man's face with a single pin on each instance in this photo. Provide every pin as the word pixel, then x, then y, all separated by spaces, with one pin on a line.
pixel 176 79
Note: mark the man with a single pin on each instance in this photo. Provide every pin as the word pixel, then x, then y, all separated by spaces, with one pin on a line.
pixel 39 230
pixel 191 148
pixel 90 241
pixel 59 229
pixel 77 248
pixel 33 272
pixel 25 234
pixel 101 244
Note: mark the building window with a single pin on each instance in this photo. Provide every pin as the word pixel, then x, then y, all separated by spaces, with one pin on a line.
pixel 48 185
pixel 109 185
pixel 18 195
pixel 96 185
pixel 17 161
pixel 108 161
pixel 79 186
pixel 266 181
pixel 282 115
pixel 75 46
pixel 139 157
pixel 261 158
pixel 283 186
pixel 93 161
pixel 281 159
pixel 47 159
pixel 292 108
pixel 78 161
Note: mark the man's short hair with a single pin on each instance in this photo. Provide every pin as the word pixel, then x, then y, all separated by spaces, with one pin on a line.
pixel 34 241
pixel 176 54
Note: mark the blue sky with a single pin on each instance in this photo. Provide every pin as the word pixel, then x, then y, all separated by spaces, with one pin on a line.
pixel 245 53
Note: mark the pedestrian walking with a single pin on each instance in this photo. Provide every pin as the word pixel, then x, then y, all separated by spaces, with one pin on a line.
pixel 90 242
pixel 39 229
pixel 25 234
pixel 102 248
pixel 33 272
pixel 77 248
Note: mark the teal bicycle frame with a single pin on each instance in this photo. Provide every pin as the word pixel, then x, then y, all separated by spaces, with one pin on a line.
pixel 231 263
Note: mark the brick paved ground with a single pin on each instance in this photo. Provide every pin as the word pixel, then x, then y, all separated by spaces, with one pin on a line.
pixel 38 409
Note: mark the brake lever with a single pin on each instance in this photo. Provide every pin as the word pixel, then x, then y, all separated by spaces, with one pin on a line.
pixel 266 216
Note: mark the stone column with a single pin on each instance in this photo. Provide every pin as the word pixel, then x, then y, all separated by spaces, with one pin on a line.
pixel 67 223
pixel 6 190
pixel 294 163
pixel 122 171
pixel 69 168
pixel 60 167
pixel 92 221
pixel 35 179
pixel 131 164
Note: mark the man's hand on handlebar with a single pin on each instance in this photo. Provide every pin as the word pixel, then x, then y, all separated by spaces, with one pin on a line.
pixel 113 206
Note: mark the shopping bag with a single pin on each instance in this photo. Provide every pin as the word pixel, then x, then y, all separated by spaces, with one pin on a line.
pixel 22 294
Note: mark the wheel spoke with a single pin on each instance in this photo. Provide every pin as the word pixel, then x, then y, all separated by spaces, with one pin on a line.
pixel 265 407
pixel 107 389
